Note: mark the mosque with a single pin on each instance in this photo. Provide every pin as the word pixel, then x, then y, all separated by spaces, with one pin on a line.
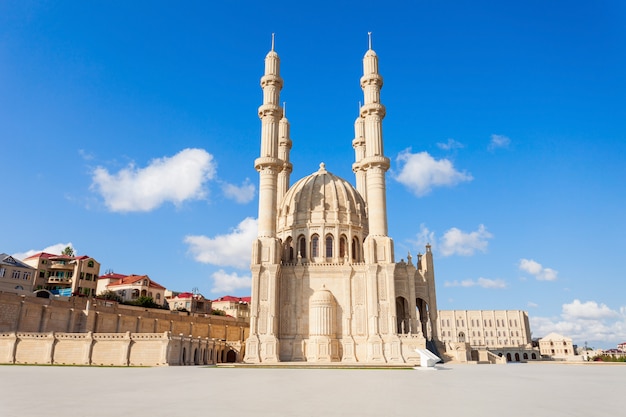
pixel 325 285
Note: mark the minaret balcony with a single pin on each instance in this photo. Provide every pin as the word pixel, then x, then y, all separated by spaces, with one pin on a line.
pixel 375 161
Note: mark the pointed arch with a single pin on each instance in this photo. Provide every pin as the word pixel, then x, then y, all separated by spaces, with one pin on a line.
pixel 329 245
pixel 343 243
pixel 302 246
pixel 315 246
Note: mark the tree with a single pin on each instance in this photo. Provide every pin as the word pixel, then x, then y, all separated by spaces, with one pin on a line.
pixel 68 251
pixel 110 295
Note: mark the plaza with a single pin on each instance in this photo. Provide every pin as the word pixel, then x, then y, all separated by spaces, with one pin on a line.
pixel 533 389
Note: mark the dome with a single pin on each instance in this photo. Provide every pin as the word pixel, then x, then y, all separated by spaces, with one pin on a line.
pixel 322 297
pixel 322 199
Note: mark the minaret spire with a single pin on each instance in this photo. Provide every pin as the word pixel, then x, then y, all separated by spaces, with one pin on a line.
pixel 268 164
pixel 375 163
pixel 369 38
pixel 284 147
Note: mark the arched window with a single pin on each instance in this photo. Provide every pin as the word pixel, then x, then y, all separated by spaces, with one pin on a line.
pixel 315 246
pixel 462 337
pixel 355 249
pixel 289 249
pixel 329 246
pixel 302 246
pixel 90 264
pixel 158 296
pixel 342 247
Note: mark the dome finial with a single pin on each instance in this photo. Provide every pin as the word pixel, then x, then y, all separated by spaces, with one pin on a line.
pixel 369 36
pixel 322 167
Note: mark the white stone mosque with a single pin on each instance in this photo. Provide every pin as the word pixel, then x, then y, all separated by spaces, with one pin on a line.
pixel 325 283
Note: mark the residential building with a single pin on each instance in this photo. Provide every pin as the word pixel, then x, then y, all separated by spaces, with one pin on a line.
pixel 238 307
pixel 188 301
pixel 555 345
pixel 15 275
pixel 65 275
pixel 131 287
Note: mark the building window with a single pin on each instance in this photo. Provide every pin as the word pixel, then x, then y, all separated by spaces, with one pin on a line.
pixel 315 242
pixel 158 296
pixel 16 274
pixel 329 246
pixel 342 247
pixel 90 264
pixel 2 271
pixel 355 249
pixel 302 247
pixel 26 275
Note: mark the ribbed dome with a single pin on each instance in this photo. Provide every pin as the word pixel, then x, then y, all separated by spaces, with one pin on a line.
pixel 322 199
pixel 322 297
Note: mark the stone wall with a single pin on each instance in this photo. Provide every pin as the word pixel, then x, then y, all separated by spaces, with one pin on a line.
pixel 82 315
pixel 83 331
pixel 113 349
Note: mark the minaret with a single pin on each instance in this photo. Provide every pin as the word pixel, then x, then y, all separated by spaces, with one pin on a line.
pixel 284 147
pixel 262 343
pixel 375 163
pixel 359 153
pixel 268 164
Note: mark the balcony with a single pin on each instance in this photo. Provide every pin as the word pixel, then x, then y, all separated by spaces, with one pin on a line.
pixel 59 280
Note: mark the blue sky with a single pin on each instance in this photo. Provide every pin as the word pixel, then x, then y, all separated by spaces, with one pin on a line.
pixel 129 131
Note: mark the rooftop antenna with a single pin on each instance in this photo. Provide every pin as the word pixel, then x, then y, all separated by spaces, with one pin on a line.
pixel 369 36
pixel 272 41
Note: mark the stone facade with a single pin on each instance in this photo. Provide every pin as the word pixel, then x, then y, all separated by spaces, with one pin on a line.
pixel 325 284
pixel 33 322
pixel 112 349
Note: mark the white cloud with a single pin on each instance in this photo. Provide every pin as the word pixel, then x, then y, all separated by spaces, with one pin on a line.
pixel 225 283
pixel 451 144
pixel 424 237
pixel 55 249
pixel 532 305
pixel 175 179
pixel 421 172
pixel 499 141
pixel 480 282
pixel 589 310
pixel 537 270
pixel 241 194
pixel 588 321
pixel 87 156
pixel 457 242
pixel 232 249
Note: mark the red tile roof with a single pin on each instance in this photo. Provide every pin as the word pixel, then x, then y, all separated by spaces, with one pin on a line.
pixel 232 298
pixel 131 279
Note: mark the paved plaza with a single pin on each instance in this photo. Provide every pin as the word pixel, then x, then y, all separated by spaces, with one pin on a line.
pixel 529 390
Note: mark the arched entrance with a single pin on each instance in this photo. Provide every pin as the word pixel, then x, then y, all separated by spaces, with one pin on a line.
pixel 231 356
pixel 517 357
pixel 402 316
pixel 184 361
pixel 508 357
pixel 423 316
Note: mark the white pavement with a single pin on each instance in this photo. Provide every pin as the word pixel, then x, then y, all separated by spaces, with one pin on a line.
pixel 529 390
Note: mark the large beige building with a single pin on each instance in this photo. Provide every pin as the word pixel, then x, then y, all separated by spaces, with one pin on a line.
pixel 485 328
pixel 65 275
pixel 325 283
